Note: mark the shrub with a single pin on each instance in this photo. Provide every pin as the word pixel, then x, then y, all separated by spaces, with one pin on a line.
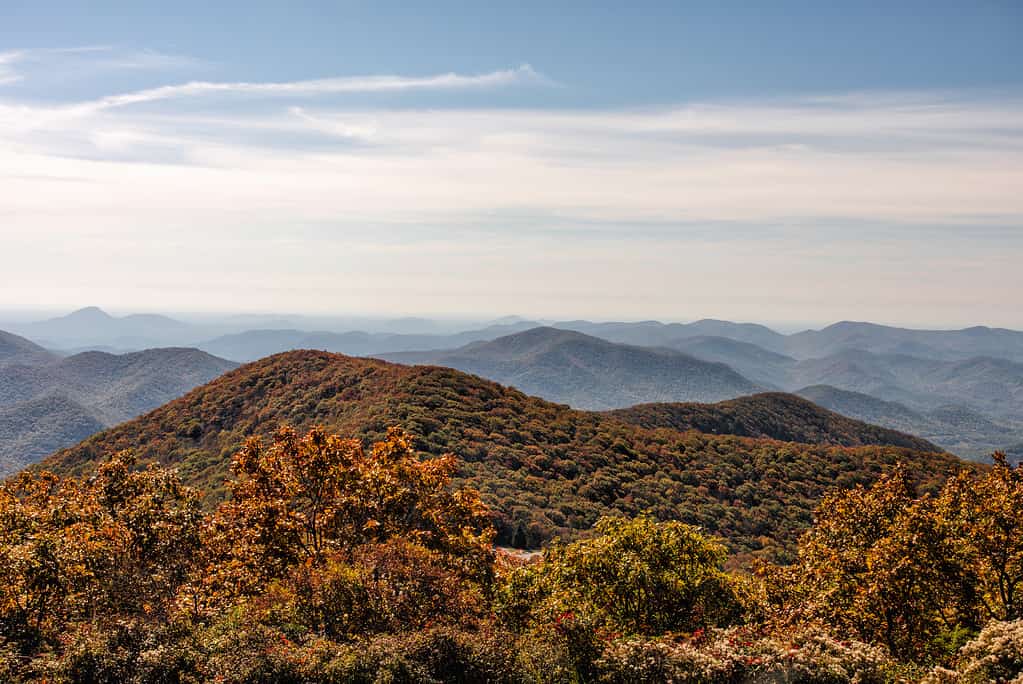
pixel 635 576
pixel 744 654
pixel 996 655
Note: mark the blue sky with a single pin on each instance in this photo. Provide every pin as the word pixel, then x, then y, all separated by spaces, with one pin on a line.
pixel 797 161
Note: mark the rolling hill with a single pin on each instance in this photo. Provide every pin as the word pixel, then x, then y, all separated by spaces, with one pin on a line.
pixel 544 467
pixel 18 350
pixel 970 406
pixel 36 427
pixel 989 385
pixel 775 415
pixel 767 368
pixel 955 428
pixel 56 402
pixel 588 372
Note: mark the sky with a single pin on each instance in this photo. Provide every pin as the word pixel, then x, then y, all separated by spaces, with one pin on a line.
pixel 784 161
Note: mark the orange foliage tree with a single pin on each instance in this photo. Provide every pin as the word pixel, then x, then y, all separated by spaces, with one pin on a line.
pixel 316 499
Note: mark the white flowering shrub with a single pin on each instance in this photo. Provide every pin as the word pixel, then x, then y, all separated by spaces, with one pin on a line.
pixel 741 655
pixel 995 656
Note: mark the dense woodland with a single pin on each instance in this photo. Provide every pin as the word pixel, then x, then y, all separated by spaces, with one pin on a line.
pixel 544 469
pixel 776 415
pixel 336 562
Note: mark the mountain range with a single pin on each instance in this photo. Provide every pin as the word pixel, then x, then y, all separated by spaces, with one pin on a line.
pixel 48 402
pixel 960 389
pixel 587 372
pixel 93 327
pixel 545 468
pixel 971 406
pixel 244 337
pixel 949 345
pixel 251 345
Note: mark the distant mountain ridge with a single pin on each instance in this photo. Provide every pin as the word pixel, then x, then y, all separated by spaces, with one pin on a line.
pixel 92 325
pixel 948 345
pixel 774 415
pixel 587 372
pixel 957 429
pixel 48 402
pixel 256 344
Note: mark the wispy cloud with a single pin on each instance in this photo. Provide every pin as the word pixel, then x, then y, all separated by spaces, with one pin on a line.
pixel 7 62
pixel 916 158
pixel 22 64
pixel 324 86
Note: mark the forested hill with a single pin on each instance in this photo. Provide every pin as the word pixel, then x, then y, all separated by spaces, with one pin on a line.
pixel 545 467
pixel 771 414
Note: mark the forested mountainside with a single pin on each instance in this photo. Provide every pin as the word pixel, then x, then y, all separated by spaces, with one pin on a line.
pixel 48 402
pixel 543 467
pixel 775 415
pixel 590 373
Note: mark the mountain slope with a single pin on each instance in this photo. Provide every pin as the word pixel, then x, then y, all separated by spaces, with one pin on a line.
pixel 760 365
pixel 37 427
pixel 775 415
pixel 544 466
pixel 15 349
pixel 955 428
pixel 121 386
pixel 990 385
pixel 53 405
pixel 588 372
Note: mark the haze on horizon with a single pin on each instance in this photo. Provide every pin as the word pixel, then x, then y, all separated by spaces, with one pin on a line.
pixel 677 161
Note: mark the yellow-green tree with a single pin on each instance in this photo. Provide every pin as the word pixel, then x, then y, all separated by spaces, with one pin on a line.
pixel 984 517
pixel 635 576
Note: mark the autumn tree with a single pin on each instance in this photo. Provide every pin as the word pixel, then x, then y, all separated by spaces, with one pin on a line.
pixel 984 517
pixel 637 575
pixel 107 550
pixel 879 563
pixel 316 498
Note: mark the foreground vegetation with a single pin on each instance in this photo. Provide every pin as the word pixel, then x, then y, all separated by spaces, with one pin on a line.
pixel 330 562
